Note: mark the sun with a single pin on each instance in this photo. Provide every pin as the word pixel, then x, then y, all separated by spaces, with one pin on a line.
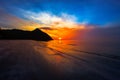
pixel 59 38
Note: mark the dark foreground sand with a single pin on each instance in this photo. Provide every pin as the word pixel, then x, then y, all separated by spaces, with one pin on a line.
pixel 33 60
pixel 20 61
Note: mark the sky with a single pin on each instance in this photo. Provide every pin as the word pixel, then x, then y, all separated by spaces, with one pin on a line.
pixel 98 12
pixel 47 14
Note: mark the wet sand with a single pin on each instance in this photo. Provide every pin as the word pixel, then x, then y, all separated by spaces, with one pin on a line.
pixel 19 61
pixel 33 60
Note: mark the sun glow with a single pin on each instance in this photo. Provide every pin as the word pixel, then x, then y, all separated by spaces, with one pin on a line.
pixel 59 38
pixel 62 26
pixel 63 33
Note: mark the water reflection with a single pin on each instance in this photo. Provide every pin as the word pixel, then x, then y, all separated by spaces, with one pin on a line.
pixel 60 41
pixel 57 49
pixel 79 58
pixel 57 53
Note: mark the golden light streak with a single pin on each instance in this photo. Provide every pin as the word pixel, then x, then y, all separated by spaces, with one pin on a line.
pixel 64 33
pixel 58 27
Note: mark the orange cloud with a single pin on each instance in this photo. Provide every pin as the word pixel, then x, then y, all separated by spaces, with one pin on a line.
pixel 64 32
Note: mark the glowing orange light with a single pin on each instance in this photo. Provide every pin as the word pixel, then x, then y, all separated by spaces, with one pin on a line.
pixel 64 30
pixel 59 38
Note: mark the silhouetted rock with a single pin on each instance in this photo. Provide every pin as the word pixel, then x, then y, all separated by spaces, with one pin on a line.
pixel 36 34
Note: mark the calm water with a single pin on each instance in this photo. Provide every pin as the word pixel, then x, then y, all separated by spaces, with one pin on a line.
pixel 76 60
pixel 59 60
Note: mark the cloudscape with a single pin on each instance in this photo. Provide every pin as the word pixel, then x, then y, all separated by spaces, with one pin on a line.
pixel 29 14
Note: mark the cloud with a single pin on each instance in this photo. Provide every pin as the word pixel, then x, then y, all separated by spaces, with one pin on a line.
pixel 93 11
pixel 103 34
pixel 46 28
pixel 50 19
pixel 10 21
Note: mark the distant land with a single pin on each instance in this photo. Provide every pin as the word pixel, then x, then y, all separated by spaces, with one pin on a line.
pixel 16 34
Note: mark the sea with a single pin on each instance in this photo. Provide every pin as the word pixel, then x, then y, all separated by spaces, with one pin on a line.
pixel 84 60
pixel 63 59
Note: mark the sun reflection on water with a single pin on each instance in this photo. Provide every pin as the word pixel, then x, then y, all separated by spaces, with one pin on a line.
pixel 59 53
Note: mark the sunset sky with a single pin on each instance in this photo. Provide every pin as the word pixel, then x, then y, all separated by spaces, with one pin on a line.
pixel 59 18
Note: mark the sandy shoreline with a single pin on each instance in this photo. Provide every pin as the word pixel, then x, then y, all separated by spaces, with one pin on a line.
pixel 20 61
pixel 37 60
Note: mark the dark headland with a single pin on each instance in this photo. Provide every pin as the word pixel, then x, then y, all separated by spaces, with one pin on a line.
pixel 16 34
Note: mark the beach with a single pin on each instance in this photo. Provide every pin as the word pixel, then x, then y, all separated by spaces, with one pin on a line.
pixel 58 60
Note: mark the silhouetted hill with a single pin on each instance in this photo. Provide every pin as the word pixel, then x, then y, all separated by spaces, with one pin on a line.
pixel 36 34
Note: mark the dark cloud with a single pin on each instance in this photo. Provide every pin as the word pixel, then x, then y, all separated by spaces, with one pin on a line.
pixel 46 28
pixel 10 21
